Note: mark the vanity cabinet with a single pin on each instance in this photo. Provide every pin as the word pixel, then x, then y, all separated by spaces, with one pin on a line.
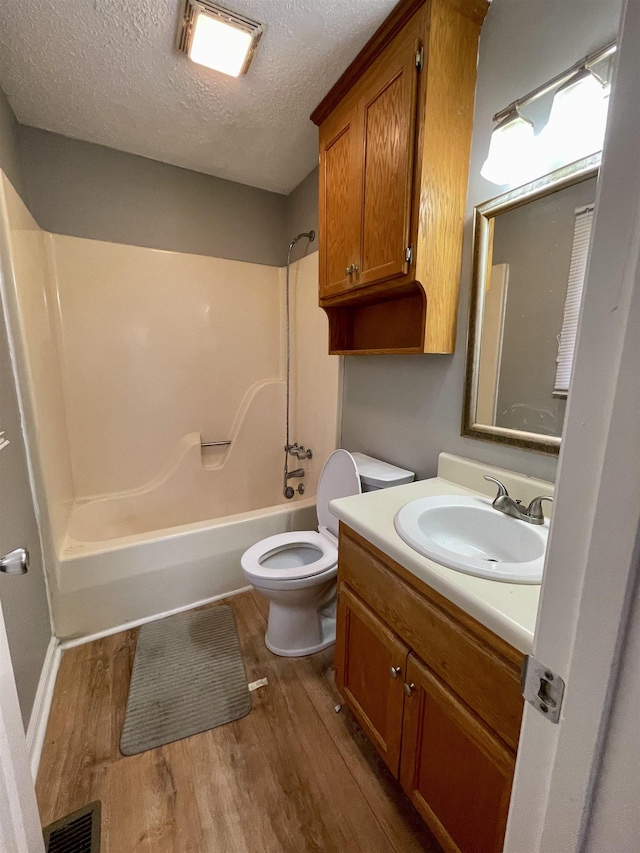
pixel 395 134
pixel 437 693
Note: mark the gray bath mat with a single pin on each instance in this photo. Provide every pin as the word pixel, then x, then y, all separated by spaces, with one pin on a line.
pixel 188 677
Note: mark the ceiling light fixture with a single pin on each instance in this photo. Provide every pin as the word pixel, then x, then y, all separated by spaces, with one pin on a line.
pixel 217 37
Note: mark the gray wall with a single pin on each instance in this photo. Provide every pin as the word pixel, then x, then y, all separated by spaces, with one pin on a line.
pixel 24 598
pixel 87 190
pixel 9 152
pixel 408 408
pixel 302 213
pixel 538 278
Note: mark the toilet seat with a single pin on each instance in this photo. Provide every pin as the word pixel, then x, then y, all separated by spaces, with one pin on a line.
pixel 253 559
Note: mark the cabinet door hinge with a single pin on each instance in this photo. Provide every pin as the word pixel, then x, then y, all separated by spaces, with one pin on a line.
pixel 542 688
pixel 408 255
pixel 419 58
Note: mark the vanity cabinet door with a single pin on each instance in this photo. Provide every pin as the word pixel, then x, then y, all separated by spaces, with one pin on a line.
pixel 456 771
pixel 370 674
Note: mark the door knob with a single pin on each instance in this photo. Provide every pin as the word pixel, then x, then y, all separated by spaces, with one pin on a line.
pixel 409 688
pixel 16 562
pixel 395 671
pixel 351 269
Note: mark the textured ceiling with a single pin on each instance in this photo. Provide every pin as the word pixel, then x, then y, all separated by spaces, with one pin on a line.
pixel 106 71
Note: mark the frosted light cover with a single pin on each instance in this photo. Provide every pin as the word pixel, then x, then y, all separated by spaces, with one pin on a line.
pixel 510 152
pixel 218 45
pixel 577 121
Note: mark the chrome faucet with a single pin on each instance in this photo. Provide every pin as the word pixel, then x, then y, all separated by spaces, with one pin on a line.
pixel 503 503
pixel 299 472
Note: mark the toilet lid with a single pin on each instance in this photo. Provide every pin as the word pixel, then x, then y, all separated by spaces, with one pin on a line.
pixel 339 479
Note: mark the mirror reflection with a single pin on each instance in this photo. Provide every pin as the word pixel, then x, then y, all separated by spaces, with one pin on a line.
pixel 530 256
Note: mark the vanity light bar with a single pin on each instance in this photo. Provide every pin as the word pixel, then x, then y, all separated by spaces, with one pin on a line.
pixel 564 77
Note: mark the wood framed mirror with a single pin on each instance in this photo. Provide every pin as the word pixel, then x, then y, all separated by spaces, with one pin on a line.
pixel 529 262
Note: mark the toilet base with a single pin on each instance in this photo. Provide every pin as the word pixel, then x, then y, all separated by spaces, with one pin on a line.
pixel 296 631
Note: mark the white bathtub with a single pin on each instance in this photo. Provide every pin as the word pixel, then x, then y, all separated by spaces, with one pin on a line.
pixel 104 584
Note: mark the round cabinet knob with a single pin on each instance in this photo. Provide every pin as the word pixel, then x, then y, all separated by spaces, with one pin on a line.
pixel 409 688
pixel 395 671
pixel 348 271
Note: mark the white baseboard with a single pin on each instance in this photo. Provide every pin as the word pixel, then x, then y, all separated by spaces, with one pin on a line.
pixel 42 704
pixel 89 638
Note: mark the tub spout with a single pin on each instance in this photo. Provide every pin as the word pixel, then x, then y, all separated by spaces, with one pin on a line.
pixel 299 472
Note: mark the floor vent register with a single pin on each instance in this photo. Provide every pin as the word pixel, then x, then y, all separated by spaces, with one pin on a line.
pixel 76 833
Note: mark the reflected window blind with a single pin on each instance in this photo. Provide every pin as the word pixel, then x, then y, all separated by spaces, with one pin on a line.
pixel 577 270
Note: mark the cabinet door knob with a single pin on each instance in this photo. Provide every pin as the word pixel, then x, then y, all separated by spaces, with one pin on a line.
pixel 351 269
pixel 395 671
pixel 409 688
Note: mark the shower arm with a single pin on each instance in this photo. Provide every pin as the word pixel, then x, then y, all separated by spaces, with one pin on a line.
pixel 287 491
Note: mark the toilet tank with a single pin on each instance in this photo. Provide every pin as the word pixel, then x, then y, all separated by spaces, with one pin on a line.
pixel 376 474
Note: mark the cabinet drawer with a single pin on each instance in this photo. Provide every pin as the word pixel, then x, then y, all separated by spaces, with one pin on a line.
pixel 454 646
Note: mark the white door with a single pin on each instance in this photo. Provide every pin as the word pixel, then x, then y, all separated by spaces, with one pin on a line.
pixel 20 830
pixel 589 588
pixel 23 604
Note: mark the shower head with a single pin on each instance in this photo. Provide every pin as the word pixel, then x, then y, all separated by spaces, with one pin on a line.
pixel 310 235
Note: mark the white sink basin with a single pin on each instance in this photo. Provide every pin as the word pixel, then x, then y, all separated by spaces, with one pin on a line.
pixel 469 535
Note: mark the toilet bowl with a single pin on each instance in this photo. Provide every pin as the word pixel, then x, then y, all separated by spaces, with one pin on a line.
pixel 297 571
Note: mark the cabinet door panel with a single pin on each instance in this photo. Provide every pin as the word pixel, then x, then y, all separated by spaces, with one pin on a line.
pixel 366 649
pixel 340 167
pixel 456 771
pixel 388 105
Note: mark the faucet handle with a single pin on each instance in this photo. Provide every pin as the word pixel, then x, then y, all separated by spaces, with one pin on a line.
pixel 502 489
pixel 534 510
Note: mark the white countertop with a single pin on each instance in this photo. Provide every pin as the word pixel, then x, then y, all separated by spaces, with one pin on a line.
pixel 507 609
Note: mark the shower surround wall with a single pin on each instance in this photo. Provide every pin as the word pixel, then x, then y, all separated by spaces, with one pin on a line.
pixel 159 349
pixel 131 356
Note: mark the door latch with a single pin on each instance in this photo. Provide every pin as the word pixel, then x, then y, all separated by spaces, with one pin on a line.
pixel 16 562
pixel 542 688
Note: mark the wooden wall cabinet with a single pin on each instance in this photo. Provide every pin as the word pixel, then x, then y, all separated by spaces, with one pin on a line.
pixel 436 692
pixel 395 136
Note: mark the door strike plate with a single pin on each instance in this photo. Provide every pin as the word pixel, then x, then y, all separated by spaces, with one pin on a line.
pixel 542 688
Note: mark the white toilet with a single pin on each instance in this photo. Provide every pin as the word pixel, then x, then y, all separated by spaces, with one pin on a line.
pixel 297 571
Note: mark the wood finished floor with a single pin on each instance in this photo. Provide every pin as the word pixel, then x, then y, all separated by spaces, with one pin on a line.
pixel 292 776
